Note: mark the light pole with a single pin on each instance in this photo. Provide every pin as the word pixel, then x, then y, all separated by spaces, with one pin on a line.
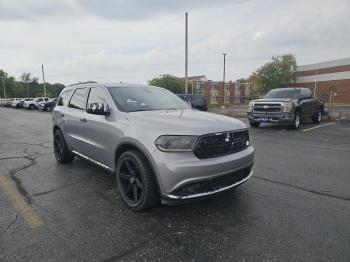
pixel 42 69
pixel 223 80
pixel 224 54
pixel 3 84
pixel 186 53
pixel 315 84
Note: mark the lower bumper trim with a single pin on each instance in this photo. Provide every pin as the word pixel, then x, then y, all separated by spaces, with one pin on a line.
pixel 208 193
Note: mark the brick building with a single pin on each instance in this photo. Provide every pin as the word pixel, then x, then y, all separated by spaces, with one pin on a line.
pixel 219 94
pixel 330 79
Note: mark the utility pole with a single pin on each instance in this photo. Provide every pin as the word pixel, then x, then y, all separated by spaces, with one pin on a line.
pixel 224 67
pixel 315 84
pixel 223 80
pixel 42 69
pixel 3 84
pixel 186 54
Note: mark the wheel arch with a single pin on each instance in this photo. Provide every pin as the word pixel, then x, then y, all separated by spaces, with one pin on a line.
pixel 134 145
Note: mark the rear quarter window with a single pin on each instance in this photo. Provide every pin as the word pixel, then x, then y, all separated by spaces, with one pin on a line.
pixel 64 98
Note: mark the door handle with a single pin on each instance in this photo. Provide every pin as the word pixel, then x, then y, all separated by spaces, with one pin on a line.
pixel 83 120
pixel 61 115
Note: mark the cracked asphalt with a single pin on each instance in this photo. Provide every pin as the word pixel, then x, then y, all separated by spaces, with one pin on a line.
pixel 296 207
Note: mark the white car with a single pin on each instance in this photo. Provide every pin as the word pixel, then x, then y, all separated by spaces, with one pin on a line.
pixel 16 102
pixel 34 104
pixel 6 102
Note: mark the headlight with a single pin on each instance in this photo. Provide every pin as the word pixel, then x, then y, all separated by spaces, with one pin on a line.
pixel 175 143
pixel 288 107
pixel 250 109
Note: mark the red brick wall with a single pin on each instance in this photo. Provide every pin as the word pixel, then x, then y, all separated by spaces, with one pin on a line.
pixel 207 91
pixel 232 93
pixel 341 88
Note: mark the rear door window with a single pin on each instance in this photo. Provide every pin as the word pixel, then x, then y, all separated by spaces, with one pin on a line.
pixel 78 99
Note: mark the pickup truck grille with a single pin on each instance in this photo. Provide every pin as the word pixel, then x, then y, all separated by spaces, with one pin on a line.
pixel 213 145
pixel 276 107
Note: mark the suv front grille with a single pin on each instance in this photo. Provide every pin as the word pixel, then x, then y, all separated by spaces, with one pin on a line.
pixel 273 107
pixel 213 145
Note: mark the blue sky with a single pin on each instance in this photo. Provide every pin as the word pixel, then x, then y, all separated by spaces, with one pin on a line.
pixel 134 41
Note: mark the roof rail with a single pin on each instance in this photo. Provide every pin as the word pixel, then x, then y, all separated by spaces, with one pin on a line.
pixel 86 82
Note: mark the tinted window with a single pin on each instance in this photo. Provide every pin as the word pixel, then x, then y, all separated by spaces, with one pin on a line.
pixel 308 93
pixel 64 98
pixel 96 99
pixel 283 93
pixel 78 99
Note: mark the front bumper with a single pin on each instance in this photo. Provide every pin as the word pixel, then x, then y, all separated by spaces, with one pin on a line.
pixel 176 171
pixel 280 118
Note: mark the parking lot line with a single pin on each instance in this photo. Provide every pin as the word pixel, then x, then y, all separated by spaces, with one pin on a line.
pixel 308 129
pixel 18 202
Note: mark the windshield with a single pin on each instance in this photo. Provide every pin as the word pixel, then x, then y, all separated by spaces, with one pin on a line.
pixel 283 93
pixel 145 98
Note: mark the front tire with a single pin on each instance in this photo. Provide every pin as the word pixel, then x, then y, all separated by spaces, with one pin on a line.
pixel 31 107
pixel 317 118
pixel 62 154
pixel 136 181
pixel 296 121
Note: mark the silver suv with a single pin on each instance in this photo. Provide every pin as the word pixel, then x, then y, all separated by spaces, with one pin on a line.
pixel 158 147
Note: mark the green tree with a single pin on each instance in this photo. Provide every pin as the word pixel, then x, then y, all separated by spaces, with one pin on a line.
pixel 27 83
pixel 170 82
pixel 277 73
pixel 25 78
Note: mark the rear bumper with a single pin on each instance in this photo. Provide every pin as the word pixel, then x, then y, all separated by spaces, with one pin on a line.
pixel 281 118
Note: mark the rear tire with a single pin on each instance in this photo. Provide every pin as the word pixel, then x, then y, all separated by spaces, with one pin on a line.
pixel 136 181
pixel 62 154
pixel 254 124
pixel 296 121
pixel 317 118
pixel 31 107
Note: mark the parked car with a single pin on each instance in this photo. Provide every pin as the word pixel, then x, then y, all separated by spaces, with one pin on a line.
pixel 34 104
pixel 196 101
pixel 6 102
pixel 159 148
pixel 47 106
pixel 285 106
pixel 16 102
pixel 21 102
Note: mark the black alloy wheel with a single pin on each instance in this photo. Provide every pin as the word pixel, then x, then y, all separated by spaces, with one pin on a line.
pixel 136 181
pixel 62 154
pixel 131 181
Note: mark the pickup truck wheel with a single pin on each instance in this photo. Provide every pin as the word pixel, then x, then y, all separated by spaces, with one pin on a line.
pixel 254 124
pixel 136 181
pixel 296 121
pixel 62 154
pixel 317 118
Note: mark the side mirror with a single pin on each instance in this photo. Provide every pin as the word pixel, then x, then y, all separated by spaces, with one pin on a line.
pixel 98 109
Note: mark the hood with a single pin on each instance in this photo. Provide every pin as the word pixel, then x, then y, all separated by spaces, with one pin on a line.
pixel 274 100
pixel 184 122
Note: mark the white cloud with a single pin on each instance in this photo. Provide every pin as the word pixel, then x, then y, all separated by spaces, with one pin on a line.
pixel 258 35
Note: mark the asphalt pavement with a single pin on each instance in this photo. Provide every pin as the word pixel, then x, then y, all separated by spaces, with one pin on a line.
pixel 296 207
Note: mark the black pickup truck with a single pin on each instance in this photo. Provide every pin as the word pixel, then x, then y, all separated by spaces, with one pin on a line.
pixel 285 106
